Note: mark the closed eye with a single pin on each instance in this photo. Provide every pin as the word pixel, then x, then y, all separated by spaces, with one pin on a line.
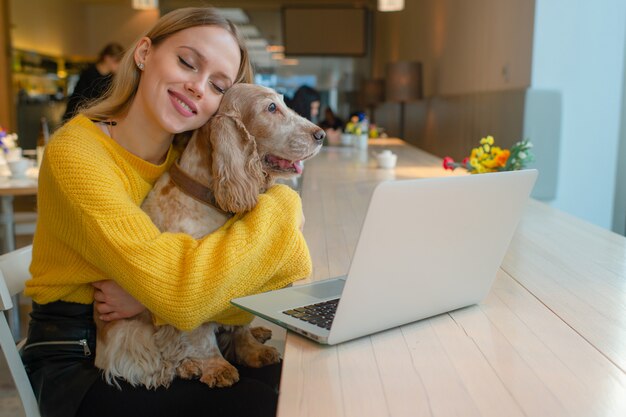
pixel 217 88
pixel 186 64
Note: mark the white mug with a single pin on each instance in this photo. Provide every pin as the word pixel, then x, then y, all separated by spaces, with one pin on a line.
pixel 386 159
pixel 18 167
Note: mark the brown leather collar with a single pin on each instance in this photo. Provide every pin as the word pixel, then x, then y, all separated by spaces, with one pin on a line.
pixel 193 188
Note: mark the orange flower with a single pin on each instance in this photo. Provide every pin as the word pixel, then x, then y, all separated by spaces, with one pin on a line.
pixel 503 157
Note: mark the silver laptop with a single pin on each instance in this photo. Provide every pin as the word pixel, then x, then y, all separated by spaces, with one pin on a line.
pixel 426 247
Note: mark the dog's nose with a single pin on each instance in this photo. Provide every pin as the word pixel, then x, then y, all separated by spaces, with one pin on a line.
pixel 319 135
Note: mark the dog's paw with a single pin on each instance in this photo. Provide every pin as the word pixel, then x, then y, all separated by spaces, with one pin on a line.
pixel 218 373
pixel 262 334
pixel 189 369
pixel 257 356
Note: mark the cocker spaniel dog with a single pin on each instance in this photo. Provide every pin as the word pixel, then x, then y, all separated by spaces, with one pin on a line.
pixel 252 140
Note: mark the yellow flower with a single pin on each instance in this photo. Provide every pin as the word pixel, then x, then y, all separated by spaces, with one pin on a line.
pixel 488 140
pixel 476 164
pixel 478 152
pixel 481 169
pixel 498 158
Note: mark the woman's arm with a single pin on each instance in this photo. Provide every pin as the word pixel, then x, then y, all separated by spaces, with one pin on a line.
pixel 113 303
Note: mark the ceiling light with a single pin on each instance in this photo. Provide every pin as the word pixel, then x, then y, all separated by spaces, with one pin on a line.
pixel 390 5
pixel 275 48
pixel 290 61
pixel 145 4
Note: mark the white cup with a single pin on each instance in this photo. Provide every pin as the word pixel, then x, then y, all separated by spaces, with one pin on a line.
pixel 386 159
pixel 18 167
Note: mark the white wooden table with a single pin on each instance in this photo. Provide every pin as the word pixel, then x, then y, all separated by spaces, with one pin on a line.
pixel 549 340
pixel 9 188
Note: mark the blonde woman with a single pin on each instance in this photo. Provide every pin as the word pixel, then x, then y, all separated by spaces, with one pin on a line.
pixel 96 171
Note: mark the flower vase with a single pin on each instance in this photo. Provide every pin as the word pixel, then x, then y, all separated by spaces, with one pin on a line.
pixel 347 139
pixel 13 154
pixel 361 141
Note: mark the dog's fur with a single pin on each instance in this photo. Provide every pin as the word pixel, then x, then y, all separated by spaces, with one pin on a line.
pixel 238 155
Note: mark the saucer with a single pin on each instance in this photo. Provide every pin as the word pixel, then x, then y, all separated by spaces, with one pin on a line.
pixel 31 174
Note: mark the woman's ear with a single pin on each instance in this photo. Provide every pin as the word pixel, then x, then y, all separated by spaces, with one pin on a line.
pixel 142 50
pixel 237 175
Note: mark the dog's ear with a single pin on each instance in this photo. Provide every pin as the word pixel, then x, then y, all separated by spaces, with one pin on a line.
pixel 237 174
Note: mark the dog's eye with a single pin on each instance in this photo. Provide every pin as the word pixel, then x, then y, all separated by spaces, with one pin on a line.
pixel 271 108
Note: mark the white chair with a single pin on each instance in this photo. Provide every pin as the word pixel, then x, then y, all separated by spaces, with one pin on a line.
pixel 13 274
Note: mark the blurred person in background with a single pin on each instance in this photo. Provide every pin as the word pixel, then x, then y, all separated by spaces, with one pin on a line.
pixel 331 121
pixel 333 126
pixel 95 80
pixel 306 102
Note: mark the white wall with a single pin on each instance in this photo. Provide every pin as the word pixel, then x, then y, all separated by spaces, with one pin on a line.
pixel 579 50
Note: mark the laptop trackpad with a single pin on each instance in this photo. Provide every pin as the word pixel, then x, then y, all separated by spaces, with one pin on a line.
pixel 323 289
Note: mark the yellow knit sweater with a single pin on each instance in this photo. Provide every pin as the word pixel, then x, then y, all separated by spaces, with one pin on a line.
pixel 90 228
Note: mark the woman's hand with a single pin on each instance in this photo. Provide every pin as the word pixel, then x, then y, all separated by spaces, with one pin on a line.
pixel 113 302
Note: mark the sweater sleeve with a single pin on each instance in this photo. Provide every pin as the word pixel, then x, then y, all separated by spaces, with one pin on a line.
pixel 181 280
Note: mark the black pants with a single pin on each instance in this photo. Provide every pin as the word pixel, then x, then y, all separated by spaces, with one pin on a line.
pixel 253 396
pixel 67 383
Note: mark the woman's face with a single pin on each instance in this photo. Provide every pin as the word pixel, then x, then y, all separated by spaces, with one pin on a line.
pixel 185 76
pixel 111 63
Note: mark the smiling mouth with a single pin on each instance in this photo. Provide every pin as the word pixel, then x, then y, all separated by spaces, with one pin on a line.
pixel 279 164
pixel 183 104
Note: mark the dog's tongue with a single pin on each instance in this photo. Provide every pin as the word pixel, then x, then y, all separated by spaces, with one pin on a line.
pixel 285 164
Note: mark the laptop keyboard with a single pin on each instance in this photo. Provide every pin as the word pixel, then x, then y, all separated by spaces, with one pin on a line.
pixel 319 314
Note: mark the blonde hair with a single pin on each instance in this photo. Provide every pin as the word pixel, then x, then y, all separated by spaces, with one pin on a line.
pixel 120 95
